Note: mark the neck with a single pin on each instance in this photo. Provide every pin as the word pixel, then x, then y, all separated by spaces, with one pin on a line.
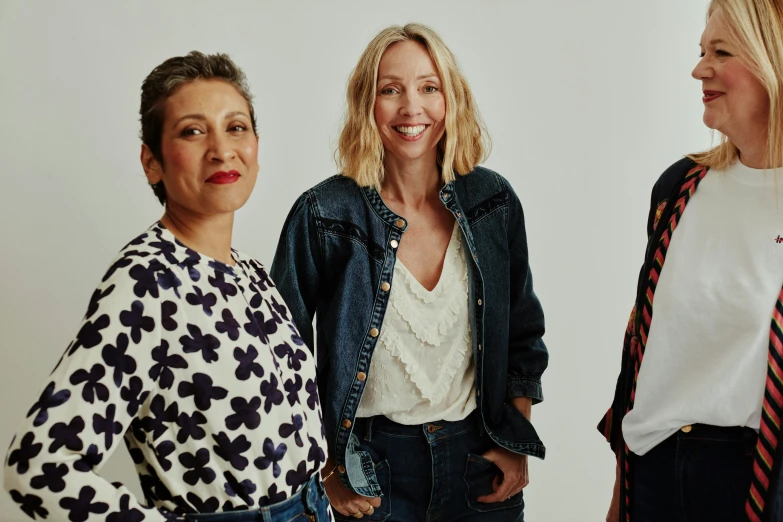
pixel 753 150
pixel 411 183
pixel 209 235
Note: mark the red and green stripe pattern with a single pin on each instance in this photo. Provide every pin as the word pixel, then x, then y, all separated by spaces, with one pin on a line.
pixel 769 431
pixel 687 189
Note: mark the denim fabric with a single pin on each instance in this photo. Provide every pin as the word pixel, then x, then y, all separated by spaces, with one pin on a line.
pixel 309 504
pixel 701 476
pixel 433 472
pixel 338 247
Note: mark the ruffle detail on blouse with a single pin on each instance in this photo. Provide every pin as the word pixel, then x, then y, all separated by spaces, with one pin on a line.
pixel 436 391
pixel 425 327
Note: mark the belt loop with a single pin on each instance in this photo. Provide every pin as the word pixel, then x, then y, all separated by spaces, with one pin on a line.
pixel 368 429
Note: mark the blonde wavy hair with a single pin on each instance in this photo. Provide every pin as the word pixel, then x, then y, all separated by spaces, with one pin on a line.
pixel 360 151
pixel 756 28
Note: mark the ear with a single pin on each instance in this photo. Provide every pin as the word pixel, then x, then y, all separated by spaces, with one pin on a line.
pixel 151 166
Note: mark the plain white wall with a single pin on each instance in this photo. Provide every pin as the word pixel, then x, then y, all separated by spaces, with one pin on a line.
pixel 586 102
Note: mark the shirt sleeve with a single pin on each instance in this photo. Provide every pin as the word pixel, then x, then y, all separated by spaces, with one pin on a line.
pixel 610 425
pixel 87 404
pixel 527 354
pixel 295 269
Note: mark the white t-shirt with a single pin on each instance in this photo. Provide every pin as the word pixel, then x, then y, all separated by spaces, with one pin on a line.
pixel 422 366
pixel 706 355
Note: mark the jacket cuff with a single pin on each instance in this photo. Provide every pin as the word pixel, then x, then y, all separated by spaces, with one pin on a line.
pixel 525 387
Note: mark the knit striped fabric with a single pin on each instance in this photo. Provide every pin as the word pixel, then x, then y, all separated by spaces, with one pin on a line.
pixel 769 431
pixel 687 189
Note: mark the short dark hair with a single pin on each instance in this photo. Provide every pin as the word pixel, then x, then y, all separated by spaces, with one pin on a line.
pixel 163 82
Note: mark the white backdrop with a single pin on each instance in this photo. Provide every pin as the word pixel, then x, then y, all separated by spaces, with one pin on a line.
pixel 586 102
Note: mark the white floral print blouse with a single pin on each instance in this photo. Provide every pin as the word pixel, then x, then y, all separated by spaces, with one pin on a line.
pixel 198 366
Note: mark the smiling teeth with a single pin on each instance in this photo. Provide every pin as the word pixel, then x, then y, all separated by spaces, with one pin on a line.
pixel 410 131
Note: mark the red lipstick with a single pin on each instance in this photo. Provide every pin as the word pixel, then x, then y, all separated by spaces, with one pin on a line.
pixel 711 95
pixel 223 178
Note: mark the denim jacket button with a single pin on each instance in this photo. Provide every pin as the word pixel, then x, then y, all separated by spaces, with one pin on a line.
pixel 346 423
pixel 400 223
pixel 385 286
pixel 341 469
pixel 394 243
pixel 479 347
pixel 374 332
pixel 479 302
pixel 361 376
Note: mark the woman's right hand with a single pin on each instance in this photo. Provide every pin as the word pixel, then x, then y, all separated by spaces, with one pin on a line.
pixel 614 507
pixel 347 502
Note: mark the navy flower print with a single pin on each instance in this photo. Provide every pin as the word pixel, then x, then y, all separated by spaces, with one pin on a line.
pixel 245 413
pixel 49 399
pixel 247 363
pixel 93 388
pixel 31 505
pixel 197 368
pixel 231 450
pixel 67 435
pixel 197 342
pixel 20 457
pixel 115 357
pixel 161 371
pixel 137 321
pixel 272 455
pixel 80 508
pixel 197 464
pixel 90 335
pixel 228 325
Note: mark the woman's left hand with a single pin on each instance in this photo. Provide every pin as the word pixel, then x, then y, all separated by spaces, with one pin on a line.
pixel 514 478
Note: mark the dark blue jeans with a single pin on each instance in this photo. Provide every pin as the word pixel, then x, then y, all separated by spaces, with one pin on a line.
pixel 433 472
pixel 309 504
pixel 700 476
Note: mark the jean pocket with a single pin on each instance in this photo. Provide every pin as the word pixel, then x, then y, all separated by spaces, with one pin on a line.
pixel 382 512
pixel 479 474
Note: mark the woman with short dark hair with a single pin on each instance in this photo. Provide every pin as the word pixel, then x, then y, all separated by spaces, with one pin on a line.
pixel 187 351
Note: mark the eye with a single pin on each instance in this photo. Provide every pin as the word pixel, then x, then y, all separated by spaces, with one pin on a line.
pixel 430 89
pixel 239 127
pixel 388 90
pixel 721 52
pixel 191 131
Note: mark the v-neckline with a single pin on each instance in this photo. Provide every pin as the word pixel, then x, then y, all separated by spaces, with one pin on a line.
pixel 414 279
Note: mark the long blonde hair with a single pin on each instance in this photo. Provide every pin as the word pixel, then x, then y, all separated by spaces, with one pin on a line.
pixel 756 27
pixel 360 152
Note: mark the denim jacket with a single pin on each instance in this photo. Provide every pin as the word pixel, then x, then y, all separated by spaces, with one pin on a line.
pixel 335 260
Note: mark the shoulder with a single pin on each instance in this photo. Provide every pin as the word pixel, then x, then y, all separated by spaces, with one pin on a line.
pixel 141 260
pixel 338 186
pixel 671 177
pixel 483 190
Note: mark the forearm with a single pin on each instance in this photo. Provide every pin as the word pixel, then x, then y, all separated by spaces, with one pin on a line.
pixel 524 405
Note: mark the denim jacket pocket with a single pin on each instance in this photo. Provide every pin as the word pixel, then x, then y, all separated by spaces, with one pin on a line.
pixel 382 512
pixel 479 474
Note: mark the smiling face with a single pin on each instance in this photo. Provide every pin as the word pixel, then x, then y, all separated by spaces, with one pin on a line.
pixel 735 101
pixel 410 108
pixel 208 148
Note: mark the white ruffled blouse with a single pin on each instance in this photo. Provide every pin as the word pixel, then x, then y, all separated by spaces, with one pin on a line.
pixel 422 367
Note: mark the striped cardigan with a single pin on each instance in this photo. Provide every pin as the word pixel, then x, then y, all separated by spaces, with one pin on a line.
pixel 670 196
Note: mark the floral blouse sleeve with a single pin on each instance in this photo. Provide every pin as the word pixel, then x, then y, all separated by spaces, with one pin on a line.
pixel 87 404
pixel 198 367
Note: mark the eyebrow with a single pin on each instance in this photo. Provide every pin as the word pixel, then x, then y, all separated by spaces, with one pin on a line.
pixel 713 42
pixel 397 78
pixel 201 117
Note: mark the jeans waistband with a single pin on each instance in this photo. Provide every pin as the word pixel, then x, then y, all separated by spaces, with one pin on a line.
pixel 308 496
pixel 716 433
pixel 431 430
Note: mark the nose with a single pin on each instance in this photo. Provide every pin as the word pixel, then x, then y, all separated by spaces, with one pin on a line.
pixel 220 149
pixel 411 104
pixel 703 70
